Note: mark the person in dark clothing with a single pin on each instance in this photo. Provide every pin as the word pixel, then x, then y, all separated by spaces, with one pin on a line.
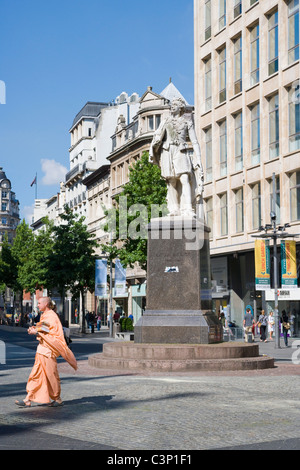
pixel 262 323
pixel 285 326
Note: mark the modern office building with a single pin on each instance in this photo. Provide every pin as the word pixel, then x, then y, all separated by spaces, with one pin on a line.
pixel 247 114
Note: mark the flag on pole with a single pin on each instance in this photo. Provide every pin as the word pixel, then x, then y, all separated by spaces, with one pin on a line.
pixel 288 264
pixel 120 278
pixel 262 265
pixel 101 278
pixel 33 182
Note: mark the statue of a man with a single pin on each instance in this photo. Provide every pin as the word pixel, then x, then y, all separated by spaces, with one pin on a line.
pixel 169 150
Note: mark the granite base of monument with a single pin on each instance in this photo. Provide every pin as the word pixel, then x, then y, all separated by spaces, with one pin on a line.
pixel 178 331
pixel 178 285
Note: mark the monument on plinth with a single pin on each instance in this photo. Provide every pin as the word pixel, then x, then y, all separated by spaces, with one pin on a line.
pixel 178 331
pixel 178 308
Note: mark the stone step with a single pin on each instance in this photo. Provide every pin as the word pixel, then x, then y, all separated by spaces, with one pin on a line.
pixel 100 361
pixel 129 350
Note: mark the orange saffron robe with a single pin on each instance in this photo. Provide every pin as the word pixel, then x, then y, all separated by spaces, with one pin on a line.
pixel 44 384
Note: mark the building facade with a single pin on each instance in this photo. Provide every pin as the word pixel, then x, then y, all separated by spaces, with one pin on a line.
pixel 247 118
pixel 9 220
pixel 90 134
pixel 10 217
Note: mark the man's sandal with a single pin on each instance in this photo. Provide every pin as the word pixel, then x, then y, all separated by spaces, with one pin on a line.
pixel 22 404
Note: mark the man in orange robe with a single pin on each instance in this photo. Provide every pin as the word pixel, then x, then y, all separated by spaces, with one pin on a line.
pixel 44 384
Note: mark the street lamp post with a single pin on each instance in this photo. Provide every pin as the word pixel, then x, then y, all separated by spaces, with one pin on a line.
pixel 278 232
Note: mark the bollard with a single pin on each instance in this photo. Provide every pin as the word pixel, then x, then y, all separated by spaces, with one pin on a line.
pixel 2 353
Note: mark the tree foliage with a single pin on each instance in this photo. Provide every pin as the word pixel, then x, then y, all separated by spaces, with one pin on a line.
pixel 72 261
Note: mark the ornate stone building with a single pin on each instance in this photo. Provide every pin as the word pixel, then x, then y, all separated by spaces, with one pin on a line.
pixel 9 209
pixel 9 220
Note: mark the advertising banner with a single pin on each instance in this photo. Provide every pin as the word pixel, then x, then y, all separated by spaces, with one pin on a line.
pixel 101 278
pixel 262 264
pixel 120 279
pixel 288 264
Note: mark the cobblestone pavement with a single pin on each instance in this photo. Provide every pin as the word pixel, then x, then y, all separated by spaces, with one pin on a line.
pixel 116 409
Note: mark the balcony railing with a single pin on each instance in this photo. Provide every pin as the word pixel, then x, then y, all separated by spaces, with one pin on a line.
pixel 74 172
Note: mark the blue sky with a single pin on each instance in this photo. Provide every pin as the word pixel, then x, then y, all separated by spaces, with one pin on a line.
pixel 57 55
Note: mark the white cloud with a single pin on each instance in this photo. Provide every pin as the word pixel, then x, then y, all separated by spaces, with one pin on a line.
pixel 27 214
pixel 54 172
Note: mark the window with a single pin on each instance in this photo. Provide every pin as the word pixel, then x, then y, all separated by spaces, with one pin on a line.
pixel 207 33
pixel 293 30
pixel 209 214
pixel 256 206
pixel 252 2
pixel 237 8
pixel 274 126
pixel 276 209
pixel 238 140
pixel 4 194
pixel 90 132
pixel 208 84
pixel 4 206
pixel 295 195
pixel 157 121
pixel 254 55
pixel 294 117
pixel 223 147
pixel 238 65
pixel 222 75
pixel 150 123
pixel 255 134
pixel 222 13
pixel 208 153
pixel 239 210
pixel 273 43
pixel 4 221
pixel 223 213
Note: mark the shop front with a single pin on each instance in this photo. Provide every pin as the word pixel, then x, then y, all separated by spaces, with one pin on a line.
pixel 288 300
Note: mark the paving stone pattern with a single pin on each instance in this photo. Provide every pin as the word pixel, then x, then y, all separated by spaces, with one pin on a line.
pixel 117 409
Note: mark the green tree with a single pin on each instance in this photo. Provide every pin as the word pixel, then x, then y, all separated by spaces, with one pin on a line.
pixel 72 261
pixel 32 253
pixel 8 269
pixel 144 189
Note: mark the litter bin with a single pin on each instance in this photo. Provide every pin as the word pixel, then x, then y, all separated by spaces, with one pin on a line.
pixel 249 338
pixel 116 328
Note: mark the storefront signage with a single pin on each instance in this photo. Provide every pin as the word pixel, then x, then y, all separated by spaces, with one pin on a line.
pixel 288 264
pixel 262 264
pixel 283 294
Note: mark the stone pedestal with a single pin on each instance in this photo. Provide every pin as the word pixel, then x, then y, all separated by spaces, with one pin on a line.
pixel 178 285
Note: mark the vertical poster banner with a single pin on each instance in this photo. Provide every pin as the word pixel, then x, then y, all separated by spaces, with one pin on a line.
pixel 120 279
pixel 262 265
pixel 288 264
pixel 101 278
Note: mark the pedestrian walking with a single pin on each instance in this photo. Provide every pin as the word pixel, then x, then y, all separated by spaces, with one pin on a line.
pixel 248 323
pixel 98 321
pixel 92 321
pixel 262 324
pixel 285 326
pixel 271 325
pixel 44 384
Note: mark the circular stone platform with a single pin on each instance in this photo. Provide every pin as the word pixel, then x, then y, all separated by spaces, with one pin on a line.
pixel 181 357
